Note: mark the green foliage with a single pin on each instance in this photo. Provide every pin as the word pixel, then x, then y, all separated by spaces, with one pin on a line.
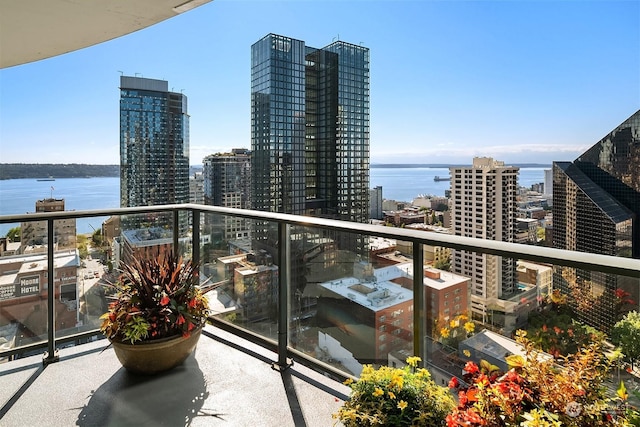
pixel 443 264
pixel 136 329
pixel 96 238
pixel 395 397
pixel 555 331
pixel 46 170
pixel 626 334
pixel 13 234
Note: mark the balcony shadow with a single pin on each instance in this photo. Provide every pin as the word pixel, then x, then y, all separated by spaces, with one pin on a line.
pixel 174 398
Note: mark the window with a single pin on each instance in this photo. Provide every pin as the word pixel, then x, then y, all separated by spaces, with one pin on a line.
pixel 68 292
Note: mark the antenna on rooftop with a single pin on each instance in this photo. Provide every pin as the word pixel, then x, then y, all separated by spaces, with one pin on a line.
pixel 121 72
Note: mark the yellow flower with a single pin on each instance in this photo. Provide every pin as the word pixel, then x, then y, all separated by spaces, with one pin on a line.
pixel 396 381
pixel 348 381
pixel 378 392
pixel 402 404
pixel 469 327
pixel 392 395
pixel 413 361
pixel 454 324
pixel 466 352
pixel 444 333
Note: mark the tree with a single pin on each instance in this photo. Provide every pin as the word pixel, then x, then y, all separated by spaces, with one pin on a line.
pixel 626 334
pixel 96 238
pixel 14 234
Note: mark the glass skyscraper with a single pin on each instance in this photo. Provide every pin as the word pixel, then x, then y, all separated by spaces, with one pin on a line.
pixel 596 209
pixel 154 143
pixel 310 128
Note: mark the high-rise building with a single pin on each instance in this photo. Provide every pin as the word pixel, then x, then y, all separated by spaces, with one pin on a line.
pixel 596 209
pixel 375 195
pixel 154 144
pixel 548 182
pixel 309 140
pixel 34 234
pixel 483 206
pixel 227 183
pixel 196 188
pixel 310 128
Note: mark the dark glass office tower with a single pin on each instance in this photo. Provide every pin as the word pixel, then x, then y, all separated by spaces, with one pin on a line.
pixel 309 141
pixel 596 209
pixel 154 144
pixel 310 128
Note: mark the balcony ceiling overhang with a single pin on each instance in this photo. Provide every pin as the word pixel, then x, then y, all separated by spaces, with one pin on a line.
pixel 31 30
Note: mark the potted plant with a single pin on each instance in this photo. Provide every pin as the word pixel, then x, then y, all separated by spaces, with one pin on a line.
pixel 395 397
pixel 157 313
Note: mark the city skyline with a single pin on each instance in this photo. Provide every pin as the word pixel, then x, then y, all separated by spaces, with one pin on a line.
pixel 523 82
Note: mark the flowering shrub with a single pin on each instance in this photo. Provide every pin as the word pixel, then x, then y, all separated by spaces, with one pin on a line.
pixel 155 298
pixel 457 329
pixel 395 397
pixel 538 391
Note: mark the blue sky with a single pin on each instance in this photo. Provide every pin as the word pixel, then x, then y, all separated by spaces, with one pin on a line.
pixel 520 81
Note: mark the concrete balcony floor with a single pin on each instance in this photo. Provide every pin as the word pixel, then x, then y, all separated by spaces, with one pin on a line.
pixel 227 382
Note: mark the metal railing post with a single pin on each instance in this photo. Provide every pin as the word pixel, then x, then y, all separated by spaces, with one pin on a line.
pixel 195 242
pixel 176 233
pixel 284 290
pixel 419 309
pixel 51 355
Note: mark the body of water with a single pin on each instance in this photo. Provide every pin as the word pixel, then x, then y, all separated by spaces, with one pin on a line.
pixel 405 184
pixel 19 196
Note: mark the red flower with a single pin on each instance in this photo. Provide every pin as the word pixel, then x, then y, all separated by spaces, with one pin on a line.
pixel 192 303
pixel 190 326
pixel 453 383
pixel 471 368
pixel 180 320
pixel 164 300
pixel 462 398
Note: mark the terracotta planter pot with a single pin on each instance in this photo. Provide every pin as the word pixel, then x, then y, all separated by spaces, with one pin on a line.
pixel 156 356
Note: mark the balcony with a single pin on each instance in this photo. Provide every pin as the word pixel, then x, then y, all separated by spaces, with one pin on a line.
pixel 230 381
pixel 281 363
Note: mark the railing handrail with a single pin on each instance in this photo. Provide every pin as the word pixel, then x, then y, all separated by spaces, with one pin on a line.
pixel 588 261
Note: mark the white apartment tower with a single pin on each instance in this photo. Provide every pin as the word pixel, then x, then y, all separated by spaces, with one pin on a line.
pixel 227 182
pixel 483 206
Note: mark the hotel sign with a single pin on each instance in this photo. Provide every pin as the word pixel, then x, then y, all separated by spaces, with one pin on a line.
pixel 29 285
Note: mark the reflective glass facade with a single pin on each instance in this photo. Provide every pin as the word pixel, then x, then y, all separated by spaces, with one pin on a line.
pixel 310 128
pixel 154 143
pixel 596 209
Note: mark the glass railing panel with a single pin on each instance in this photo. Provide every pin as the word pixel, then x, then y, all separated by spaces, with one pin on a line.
pixel 561 308
pixel 23 285
pixel 240 271
pixel 348 306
